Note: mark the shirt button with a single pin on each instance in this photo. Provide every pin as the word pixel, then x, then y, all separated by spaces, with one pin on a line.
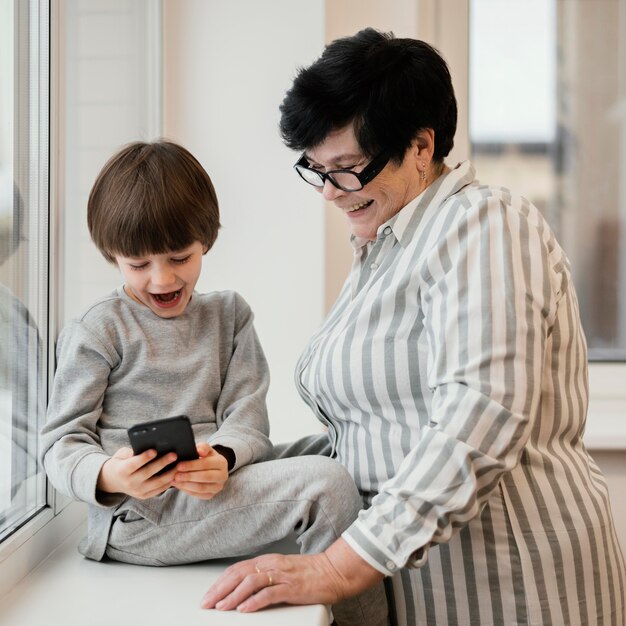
pixel 374 266
pixel 390 565
pixel 387 230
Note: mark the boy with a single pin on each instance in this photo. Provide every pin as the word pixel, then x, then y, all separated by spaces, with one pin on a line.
pixel 155 348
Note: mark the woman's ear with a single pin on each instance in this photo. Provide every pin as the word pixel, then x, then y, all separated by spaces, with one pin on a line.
pixel 424 145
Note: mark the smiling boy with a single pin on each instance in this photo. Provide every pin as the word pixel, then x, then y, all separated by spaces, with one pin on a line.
pixel 163 282
pixel 156 348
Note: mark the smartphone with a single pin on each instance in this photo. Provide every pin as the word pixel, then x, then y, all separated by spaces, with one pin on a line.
pixel 172 434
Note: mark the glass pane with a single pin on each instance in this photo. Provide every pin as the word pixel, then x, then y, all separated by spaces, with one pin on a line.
pixel 548 120
pixel 23 257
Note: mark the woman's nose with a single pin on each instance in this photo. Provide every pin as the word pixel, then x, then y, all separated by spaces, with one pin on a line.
pixel 330 192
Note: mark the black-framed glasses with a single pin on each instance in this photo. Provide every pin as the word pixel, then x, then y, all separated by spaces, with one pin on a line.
pixel 346 180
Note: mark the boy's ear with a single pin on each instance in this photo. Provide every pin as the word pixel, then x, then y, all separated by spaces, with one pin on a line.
pixel 205 249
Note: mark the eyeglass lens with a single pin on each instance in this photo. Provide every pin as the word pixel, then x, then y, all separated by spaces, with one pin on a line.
pixel 348 181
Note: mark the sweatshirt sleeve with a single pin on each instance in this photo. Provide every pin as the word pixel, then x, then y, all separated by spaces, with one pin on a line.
pixel 243 424
pixel 71 451
pixel 487 291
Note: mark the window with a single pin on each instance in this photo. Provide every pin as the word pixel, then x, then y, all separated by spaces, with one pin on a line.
pixel 548 119
pixel 23 257
pixel 101 61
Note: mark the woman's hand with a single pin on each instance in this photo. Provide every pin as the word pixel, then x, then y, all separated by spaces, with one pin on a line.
pixel 135 475
pixel 205 477
pixel 270 579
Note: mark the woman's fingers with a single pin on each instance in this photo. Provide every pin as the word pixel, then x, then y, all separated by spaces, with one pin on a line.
pixel 227 582
pixel 226 591
pixel 274 593
pixel 254 585
pixel 270 579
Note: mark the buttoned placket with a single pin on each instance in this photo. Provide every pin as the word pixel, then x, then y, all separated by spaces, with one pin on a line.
pixel 368 258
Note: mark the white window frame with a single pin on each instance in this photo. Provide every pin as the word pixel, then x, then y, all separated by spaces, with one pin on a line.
pixel 15 560
pixel 28 546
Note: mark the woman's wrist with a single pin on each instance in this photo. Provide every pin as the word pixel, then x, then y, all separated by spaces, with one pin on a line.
pixel 354 573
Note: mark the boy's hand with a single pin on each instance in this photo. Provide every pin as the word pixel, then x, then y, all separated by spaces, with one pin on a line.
pixel 134 475
pixel 205 477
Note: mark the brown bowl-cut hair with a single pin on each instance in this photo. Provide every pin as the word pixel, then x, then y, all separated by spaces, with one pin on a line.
pixel 152 198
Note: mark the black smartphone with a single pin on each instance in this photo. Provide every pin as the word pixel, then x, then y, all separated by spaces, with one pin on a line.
pixel 172 434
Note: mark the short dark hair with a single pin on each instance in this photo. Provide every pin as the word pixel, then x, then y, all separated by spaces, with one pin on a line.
pixel 152 198
pixel 389 88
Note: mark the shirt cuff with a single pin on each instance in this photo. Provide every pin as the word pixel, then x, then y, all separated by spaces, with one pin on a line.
pixel 369 548
pixel 242 450
pixel 228 454
pixel 85 478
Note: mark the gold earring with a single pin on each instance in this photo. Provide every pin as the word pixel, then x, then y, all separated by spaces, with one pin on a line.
pixel 423 172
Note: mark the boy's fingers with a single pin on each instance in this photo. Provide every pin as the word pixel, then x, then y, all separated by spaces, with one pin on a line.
pixel 123 453
pixel 201 476
pixel 214 461
pixel 136 462
pixel 158 464
pixel 204 449
pixel 155 492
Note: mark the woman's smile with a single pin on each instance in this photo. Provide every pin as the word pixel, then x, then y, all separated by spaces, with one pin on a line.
pixel 358 207
pixel 370 207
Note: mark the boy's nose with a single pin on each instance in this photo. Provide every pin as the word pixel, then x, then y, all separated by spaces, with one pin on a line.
pixel 163 277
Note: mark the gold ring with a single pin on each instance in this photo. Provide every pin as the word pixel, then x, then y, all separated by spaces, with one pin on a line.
pixel 269 578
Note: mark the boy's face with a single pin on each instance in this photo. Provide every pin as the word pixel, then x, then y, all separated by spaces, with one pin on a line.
pixel 163 282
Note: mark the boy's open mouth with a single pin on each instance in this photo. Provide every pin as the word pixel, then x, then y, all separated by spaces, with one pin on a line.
pixel 167 299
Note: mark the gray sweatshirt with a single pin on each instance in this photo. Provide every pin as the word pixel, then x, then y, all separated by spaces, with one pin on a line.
pixel 119 364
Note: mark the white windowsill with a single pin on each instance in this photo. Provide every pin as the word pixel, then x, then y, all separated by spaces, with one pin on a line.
pixel 69 589
pixel 29 546
pixel 606 419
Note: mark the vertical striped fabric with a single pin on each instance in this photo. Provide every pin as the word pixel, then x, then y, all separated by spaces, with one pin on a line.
pixel 452 373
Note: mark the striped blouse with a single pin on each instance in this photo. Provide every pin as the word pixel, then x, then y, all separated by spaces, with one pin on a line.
pixel 452 375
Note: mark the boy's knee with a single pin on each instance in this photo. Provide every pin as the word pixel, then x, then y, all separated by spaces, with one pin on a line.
pixel 327 469
pixel 337 487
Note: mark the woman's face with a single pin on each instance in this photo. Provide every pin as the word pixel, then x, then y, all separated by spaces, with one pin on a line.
pixel 366 210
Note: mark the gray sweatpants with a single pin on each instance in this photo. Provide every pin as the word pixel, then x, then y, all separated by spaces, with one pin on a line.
pixel 313 496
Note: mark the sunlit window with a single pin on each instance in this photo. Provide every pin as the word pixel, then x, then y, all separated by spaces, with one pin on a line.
pixel 548 120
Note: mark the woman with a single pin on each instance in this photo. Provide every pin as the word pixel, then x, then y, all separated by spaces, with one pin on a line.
pixel 451 372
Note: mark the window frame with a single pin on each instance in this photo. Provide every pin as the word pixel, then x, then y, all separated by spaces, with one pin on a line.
pixel 15 563
pixel 31 265
pixel 36 539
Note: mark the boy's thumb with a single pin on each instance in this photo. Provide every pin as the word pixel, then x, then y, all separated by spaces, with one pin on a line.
pixel 204 449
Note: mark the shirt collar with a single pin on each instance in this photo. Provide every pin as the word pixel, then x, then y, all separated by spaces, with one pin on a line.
pixel 406 221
